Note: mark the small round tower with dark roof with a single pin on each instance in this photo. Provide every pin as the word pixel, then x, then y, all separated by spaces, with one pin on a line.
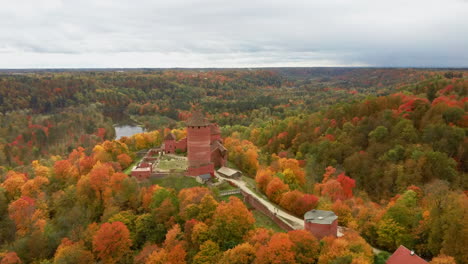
pixel 321 223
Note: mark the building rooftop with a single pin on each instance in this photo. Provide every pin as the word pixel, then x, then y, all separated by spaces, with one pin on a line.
pixel 205 176
pixel 141 168
pixel 404 255
pixel 217 145
pixel 227 171
pixel 170 136
pixel 197 119
pixel 320 217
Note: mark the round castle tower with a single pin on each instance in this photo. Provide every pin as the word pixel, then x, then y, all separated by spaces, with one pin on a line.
pixel 198 145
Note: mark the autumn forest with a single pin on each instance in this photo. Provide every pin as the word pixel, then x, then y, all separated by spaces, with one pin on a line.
pixel 385 149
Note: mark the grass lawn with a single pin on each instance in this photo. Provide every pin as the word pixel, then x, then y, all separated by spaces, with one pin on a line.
pixel 225 186
pixel 226 198
pixel 262 220
pixel 167 163
pixel 231 165
pixel 253 186
pixel 176 182
pixel 250 182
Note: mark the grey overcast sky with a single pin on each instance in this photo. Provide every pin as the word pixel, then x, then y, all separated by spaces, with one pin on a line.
pixel 233 33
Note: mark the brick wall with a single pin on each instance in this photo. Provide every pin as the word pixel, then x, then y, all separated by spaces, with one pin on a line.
pixel 322 230
pixel 141 175
pixel 181 145
pixel 205 169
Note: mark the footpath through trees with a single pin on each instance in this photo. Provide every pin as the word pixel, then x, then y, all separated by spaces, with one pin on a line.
pixel 288 219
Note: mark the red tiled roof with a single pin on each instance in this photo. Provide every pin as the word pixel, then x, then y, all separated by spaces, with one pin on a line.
pixel 403 256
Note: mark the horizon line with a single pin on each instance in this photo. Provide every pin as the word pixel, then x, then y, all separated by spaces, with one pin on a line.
pixel 246 68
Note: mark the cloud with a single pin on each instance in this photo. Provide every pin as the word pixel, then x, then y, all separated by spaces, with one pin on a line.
pixel 242 33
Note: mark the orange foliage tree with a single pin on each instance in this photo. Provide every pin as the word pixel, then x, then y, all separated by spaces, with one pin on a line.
pixel 209 252
pixel 145 253
pixel 173 237
pixel 25 215
pixel 297 202
pixel 243 153
pixel 176 255
pixel 278 250
pixel 40 170
pixel 241 254
pixel 283 175
pixel 347 184
pixel 351 248
pixel 263 177
pixel 258 237
pixel 340 187
pixel 65 170
pixel 231 221
pixel 99 178
pixel 275 189
pixel 10 258
pixel 333 189
pixel 305 246
pixel 81 161
pixel 111 242
pixel 13 183
pixel 124 160
pixel 294 174
pixel 33 186
pixel 147 195
pixel 443 259
pixel 196 203
pixel 70 252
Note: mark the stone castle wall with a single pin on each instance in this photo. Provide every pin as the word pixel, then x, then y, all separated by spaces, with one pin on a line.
pixel 262 208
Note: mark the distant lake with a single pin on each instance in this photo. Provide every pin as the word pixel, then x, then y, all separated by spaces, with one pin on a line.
pixel 124 126
pixel 127 130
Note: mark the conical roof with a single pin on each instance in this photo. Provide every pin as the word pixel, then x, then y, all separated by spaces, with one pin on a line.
pixel 170 136
pixel 197 119
pixel 320 216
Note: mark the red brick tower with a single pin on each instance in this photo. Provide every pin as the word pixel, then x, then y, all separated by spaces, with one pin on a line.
pixel 170 143
pixel 215 133
pixel 198 145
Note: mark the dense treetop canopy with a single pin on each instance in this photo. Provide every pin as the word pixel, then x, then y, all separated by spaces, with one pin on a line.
pixel 384 149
